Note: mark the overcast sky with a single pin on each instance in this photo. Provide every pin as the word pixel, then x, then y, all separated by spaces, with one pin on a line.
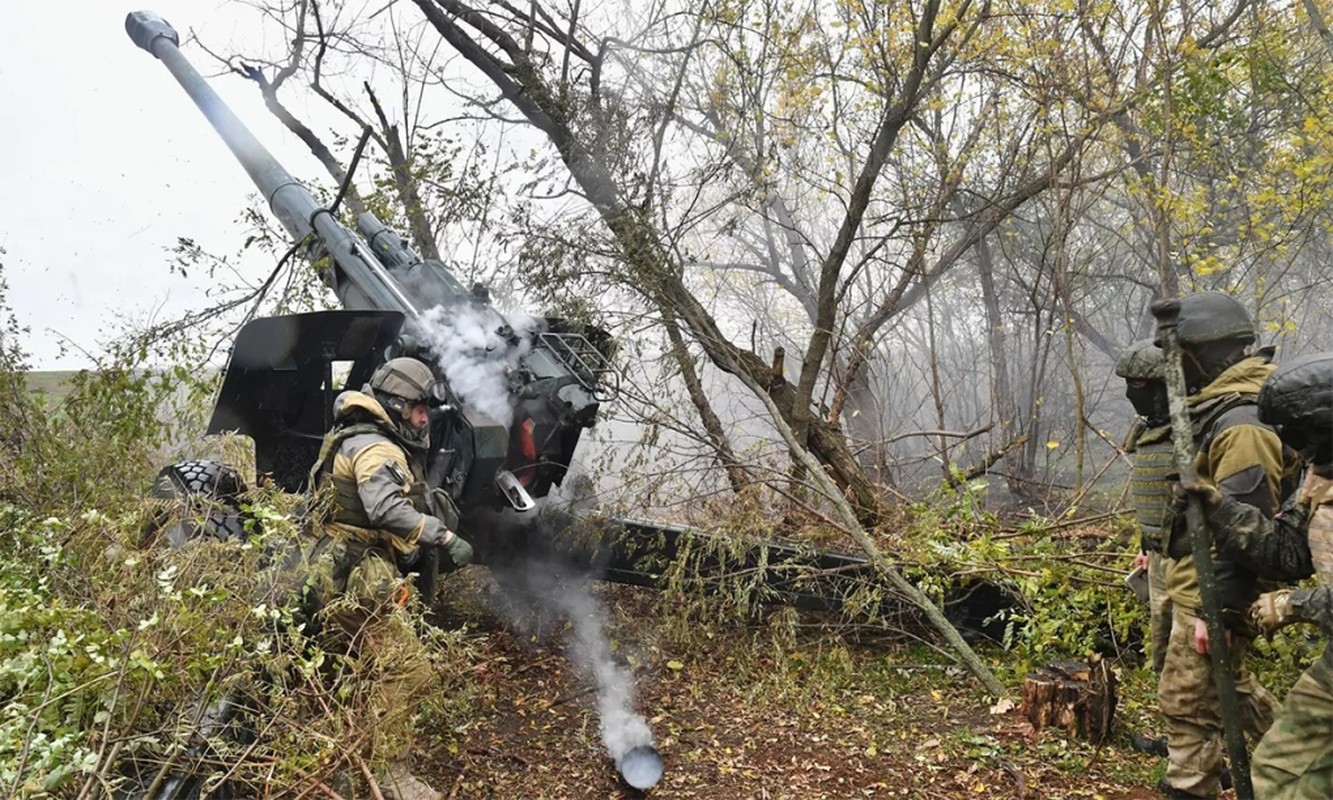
pixel 104 162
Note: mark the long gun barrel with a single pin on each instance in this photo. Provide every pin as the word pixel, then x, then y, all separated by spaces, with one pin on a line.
pixel 280 380
pixel 292 203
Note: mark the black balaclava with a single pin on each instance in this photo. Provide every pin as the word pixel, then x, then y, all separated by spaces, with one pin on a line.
pixel 1203 363
pixel 1150 401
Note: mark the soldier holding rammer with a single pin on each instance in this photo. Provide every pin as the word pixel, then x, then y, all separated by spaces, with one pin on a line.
pixel 1245 460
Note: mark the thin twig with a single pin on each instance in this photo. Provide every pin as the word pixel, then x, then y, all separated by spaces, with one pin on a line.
pixel 365 770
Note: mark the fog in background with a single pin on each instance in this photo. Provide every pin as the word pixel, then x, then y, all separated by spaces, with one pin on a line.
pixel 1008 249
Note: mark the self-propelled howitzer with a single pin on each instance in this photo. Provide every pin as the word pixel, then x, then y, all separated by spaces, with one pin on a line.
pixel 284 372
pixel 280 385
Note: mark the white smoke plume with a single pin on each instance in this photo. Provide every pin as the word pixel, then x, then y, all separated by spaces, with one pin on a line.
pixel 622 727
pixel 541 589
pixel 475 356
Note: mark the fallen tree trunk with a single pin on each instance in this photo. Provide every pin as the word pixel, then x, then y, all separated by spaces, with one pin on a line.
pixel 851 525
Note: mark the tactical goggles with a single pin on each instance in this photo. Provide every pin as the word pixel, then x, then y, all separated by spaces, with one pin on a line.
pixel 437 395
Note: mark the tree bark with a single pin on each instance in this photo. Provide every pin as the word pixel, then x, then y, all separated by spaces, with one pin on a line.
pixel 405 183
pixel 1074 697
pixel 737 475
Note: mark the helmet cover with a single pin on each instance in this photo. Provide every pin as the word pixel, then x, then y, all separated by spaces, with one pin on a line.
pixel 1212 317
pixel 404 378
pixel 1141 360
pixel 1297 399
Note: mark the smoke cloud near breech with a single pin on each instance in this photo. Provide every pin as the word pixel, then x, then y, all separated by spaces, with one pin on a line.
pixel 475 355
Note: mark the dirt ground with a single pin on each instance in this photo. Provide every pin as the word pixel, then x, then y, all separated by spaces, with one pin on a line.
pixel 887 729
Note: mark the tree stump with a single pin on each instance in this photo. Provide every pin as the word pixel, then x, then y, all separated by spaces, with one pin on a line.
pixel 1075 697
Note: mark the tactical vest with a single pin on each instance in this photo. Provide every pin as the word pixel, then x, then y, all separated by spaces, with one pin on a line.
pixel 347 508
pixel 1205 414
pixel 1318 493
pixel 1154 459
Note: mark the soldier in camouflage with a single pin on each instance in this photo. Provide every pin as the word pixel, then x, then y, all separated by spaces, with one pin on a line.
pixel 1149 441
pixel 1245 460
pixel 1294 761
pixel 378 519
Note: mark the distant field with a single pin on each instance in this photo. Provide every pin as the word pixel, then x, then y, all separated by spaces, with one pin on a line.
pixel 52 383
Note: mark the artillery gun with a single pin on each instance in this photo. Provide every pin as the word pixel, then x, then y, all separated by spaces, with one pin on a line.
pixel 281 380
pixel 495 462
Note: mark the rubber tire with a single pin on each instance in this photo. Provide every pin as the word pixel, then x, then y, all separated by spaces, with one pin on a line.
pixel 205 483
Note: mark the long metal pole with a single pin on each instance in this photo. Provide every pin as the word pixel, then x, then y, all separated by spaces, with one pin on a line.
pixel 1167 313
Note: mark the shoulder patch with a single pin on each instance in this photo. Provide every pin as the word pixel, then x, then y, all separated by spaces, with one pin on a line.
pixel 396 472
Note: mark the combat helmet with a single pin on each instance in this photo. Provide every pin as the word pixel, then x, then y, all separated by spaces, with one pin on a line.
pixel 1141 360
pixel 1207 317
pixel 1297 401
pixel 1215 332
pixel 1143 366
pixel 401 383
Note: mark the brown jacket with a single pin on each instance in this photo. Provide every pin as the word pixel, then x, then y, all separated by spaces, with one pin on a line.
pixel 1247 461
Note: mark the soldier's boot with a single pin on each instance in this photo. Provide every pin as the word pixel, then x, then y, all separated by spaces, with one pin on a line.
pixel 1172 792
pixel 1147 744
pixel 397 782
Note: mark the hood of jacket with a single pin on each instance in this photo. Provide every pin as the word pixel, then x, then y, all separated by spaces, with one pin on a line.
pixel 1243 377
pixel 353 406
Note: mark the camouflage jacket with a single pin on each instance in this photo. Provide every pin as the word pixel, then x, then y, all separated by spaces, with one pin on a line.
pixel 1281 548
pixel 1314 604
pixel 1247 461
pixel 1276 549
pixel 372 480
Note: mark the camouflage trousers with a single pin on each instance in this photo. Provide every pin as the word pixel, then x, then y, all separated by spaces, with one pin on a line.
pixel 1159 611
pixel 1187 696
pixel 1295 759
pixel 364 618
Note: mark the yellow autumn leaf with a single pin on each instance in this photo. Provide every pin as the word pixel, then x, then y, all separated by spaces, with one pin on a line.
pixel 675 665
pixel 1052 444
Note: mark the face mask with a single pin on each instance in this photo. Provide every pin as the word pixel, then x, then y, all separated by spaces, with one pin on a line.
pixel 1203 363
pixel 1150 402
pixel 415 435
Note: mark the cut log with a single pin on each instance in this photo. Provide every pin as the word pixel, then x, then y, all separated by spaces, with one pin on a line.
pixel 1077 698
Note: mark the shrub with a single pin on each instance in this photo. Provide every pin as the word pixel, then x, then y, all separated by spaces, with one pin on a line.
pixel 117 653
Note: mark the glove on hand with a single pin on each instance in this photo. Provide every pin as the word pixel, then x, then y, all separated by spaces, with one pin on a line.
pixel 1272 611
pixel 453 545
pixel 434 534
pixel 1208 494
pixel 458 550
